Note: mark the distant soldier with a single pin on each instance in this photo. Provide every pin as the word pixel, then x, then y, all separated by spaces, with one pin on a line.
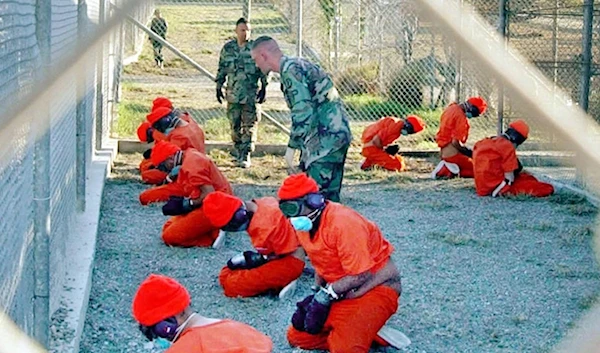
pixel 237 66
pixel 159 26
pixel 320 128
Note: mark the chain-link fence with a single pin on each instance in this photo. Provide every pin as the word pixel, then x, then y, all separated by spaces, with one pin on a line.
pixel 386 57
pixel 43 172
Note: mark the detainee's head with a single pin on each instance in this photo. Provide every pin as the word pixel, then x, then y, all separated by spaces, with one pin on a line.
pixel 226 211
pixel 161 306
pixel 412 125
pixel 242 30
pixel 301 201
pixel 517 132
pixel 266 54
pixel 165 156
pixel 157 12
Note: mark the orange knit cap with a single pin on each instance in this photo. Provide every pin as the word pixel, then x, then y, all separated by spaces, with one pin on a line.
pixel 161 102
pixel 417 123
pixel 158 114
pixel 161 151
pixel 521 127
pixel 220 207
pixel 141 131
pixel 159 297
pixel 296 186
pixel 479 103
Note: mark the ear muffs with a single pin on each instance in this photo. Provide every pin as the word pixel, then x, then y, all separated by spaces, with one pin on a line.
pixel 165 122
pixel 166 328
pixel 315 201
pixel 240 217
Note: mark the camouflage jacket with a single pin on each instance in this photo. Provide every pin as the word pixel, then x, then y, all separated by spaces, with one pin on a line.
pixel 236 64
pixel 159 26
pixel 319 123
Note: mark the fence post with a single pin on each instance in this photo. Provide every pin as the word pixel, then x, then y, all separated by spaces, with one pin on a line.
pixel 502 29
pixel 247 9
pixel 586 60
pixel 41 190
pixel 81 115
pixel 586 54
pixel 338 34
pixel 459 66
pixel 100 80
pixel 299 29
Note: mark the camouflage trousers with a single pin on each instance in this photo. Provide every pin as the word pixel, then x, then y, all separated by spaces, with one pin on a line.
pixel 244 125
pixel 329 174
pixel 157 49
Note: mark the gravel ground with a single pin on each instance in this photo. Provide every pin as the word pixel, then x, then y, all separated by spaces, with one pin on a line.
pixel 479 274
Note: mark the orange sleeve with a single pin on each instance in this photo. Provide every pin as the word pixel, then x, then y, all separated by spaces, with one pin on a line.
pixel 158 136
pixel 353 247
pixel 461 128
pixel 509 157
pixel 198 175
pixel 269 230
pixel 391 131
pixel 370 131
pixel 179 139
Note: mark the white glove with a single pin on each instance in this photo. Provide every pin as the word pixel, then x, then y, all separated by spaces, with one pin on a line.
pixel 289 157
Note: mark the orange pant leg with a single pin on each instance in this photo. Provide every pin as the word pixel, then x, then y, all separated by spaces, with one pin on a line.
pixel 161 193
pixel 352 324
pixel 153 176
pixel 192 229
pixel 464 163
pixel 274 275
pixel 528 184
pixel 376 156
pixel 145 164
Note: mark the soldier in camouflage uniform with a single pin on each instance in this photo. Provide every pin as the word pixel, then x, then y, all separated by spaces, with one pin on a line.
pixel 320 128
pixel 242 75
pixel 159 26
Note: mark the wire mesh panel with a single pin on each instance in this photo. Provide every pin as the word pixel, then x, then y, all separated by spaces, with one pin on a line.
pixel 19 56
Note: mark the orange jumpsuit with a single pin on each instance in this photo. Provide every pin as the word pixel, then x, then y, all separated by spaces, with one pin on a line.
pixel 388 130
pixel 184 137
pixel 270 233
pixel 494 156
pixel 194 228
pixel 454 125
pixel 346 244
pixel 226 336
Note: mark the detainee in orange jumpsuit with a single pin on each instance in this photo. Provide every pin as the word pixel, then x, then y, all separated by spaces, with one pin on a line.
pixel 359 283
pixel 497 169
pixel 452 136
pixel 197 177
pixel 377 141
pixel 172 125
pixel 279 259
pixel 161 306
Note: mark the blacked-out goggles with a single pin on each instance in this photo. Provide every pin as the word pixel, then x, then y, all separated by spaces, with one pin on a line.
pixel 293 208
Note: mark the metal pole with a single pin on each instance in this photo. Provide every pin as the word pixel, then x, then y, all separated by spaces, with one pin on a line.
pixel 503 20
pixel 459 68
pixel 41 192
pixel 81 114
pixel 359 25
pixel 197 66
pixel 586 55
pixel 586 60
pixel 338 29
pixel 247 10
pixel 100 80
pixel 299 29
